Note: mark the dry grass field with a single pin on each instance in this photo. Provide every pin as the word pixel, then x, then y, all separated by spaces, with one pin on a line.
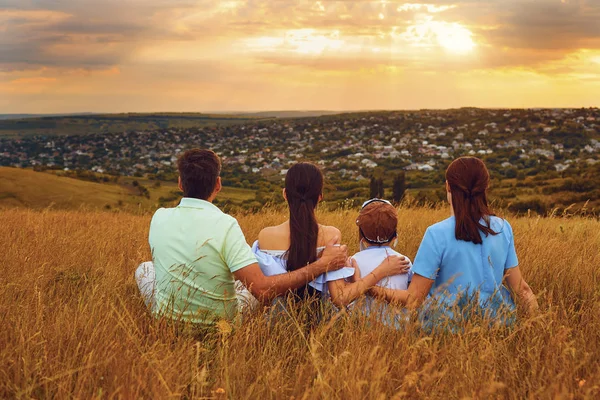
pixel 73 325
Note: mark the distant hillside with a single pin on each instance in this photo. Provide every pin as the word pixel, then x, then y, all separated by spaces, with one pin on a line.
pixel 23 116
pixel 289 114
pixel 30 189
pixel 26 188
pixel 114 123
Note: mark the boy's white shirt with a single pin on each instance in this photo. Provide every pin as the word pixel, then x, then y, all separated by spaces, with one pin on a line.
pixel 371 257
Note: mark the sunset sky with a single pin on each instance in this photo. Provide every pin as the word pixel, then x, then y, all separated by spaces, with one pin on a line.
pixel 178 55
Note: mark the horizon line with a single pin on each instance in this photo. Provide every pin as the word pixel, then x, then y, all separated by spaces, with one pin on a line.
pixel 341 111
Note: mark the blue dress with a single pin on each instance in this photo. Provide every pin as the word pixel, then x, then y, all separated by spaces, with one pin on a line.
pixel 467 277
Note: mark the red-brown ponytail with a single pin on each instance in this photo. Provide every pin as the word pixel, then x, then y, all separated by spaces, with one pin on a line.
pixel 469 179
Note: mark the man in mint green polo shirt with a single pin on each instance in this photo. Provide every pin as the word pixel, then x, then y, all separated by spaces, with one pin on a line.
pixel 198 252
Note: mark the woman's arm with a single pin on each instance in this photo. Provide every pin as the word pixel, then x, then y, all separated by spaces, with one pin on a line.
pixel 517 285
pixel 426 264
pixel 411 298
pixel 343 293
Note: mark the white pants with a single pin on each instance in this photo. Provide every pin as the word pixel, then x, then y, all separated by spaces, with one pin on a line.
pixel 145 276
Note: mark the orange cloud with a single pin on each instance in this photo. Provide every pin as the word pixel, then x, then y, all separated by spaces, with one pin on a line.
pixel 39 80
pixel 243 54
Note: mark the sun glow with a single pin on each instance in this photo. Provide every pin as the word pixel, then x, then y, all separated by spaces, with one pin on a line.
pixel 302 41
pixel 308 41
pixel 455 38
pixel 452 37
pixel 430 8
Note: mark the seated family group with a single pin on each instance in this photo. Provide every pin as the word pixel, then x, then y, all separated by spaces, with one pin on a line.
pixel 203 270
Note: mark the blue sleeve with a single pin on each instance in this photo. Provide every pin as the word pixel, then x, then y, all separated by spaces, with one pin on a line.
pixel 321 281
pixel 428 259
pixel 269 265
pixel 511 256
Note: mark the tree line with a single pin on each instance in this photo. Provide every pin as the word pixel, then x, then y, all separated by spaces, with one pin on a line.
pixel 377 188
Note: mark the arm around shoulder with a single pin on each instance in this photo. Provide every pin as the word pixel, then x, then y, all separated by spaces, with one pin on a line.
pixel 343 293
pixel 413 297
pixel 265 288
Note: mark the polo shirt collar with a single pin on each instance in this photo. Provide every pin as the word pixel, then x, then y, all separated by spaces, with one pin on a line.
pixel 190 202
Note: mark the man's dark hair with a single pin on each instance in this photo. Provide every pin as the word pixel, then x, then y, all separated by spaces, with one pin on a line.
pixel 199 170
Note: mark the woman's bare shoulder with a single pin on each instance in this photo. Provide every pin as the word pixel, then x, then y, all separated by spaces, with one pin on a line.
pixel 272 237
pixel 328 233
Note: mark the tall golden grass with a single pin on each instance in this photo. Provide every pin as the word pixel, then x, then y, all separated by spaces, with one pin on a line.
pixel 73 324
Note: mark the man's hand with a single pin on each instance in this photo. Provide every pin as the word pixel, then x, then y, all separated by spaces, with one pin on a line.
pixel 333 257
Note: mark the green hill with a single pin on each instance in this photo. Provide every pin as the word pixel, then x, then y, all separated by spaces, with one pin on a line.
pixel 26 188
pixel 30 189
pixel 114 123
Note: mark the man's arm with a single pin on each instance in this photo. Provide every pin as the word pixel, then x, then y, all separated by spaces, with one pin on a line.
pixel 267 287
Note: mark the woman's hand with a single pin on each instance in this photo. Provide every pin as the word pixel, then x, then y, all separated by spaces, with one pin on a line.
pixel 392 265
pixel 352 263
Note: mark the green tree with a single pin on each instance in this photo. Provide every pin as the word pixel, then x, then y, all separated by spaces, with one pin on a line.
pixel 511 173
pixel 399 187
pixel 373 188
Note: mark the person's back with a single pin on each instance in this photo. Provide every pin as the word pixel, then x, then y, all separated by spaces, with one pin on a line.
pixel 370 258
pixel 272 246
pixel 462 269
pixel 277 238
pixel 196 248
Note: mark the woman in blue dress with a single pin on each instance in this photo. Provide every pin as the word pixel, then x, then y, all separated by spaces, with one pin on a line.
pixel 464 261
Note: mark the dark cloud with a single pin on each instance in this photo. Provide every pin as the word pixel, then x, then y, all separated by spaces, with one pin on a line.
pixel 88 34
pixel 548 25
